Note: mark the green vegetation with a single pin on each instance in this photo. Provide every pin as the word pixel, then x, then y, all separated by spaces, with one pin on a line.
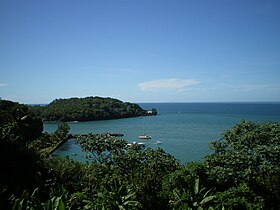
pixel 87 109
pixel 18 123
pixel 241 173
pixel 48 142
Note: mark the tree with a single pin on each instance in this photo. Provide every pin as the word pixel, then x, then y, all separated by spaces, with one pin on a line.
pixel 17 123
pixel 62 131
pixel 141 170
pixel 248 154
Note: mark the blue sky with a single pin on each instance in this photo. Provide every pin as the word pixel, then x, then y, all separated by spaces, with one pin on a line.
pixel 140 50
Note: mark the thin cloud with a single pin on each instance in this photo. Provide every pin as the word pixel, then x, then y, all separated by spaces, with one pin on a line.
pixel 167 84
pixel 3 84
pixel 251 87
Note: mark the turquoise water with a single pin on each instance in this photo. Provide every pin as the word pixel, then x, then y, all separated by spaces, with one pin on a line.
pixel 185 129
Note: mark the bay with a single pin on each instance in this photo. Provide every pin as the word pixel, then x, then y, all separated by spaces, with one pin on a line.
pixel 185 129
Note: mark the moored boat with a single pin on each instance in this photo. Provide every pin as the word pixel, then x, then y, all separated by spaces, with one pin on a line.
pixel 144 137
pixel 139 143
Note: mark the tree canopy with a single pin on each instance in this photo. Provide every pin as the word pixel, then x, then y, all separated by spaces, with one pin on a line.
pixel 87 109
pixel 248 156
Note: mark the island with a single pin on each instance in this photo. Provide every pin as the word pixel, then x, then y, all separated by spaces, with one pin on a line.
pixel 89 109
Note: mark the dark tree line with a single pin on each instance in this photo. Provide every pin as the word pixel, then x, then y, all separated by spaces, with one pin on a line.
pixel 87 109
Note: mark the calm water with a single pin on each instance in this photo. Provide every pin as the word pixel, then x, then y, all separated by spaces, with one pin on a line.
pixel 185 129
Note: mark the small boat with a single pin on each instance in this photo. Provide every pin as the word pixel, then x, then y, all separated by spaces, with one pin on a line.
pixel 139 143
pixel 144 137
pixel 158 142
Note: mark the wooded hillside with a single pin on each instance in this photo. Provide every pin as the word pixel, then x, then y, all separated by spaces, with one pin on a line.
pixel 87 109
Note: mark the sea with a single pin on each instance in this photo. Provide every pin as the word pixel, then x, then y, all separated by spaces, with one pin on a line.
pixel 184 129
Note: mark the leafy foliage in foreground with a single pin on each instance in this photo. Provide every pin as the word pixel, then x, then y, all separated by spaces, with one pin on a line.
pixel 248 155
pixel 87 109
pixel 242 173
pixel 18 123
pixel 140 169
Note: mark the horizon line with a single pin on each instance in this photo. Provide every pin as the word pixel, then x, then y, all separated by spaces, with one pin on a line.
pixel 182 102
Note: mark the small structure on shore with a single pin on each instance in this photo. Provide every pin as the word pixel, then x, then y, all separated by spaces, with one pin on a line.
pixel 152 112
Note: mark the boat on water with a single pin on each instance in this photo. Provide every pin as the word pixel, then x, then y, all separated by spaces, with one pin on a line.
pixel 144 137
pixel 158 142
pixel 139 143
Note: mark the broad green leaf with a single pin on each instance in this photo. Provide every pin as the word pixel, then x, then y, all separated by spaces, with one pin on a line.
pixel 207 199
pixel 196 186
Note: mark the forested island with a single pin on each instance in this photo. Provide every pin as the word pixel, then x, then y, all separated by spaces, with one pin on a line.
pixel 88 109
pixel 241 173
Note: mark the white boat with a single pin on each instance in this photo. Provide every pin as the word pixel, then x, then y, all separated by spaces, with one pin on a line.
pixel 144 137
pixel 158 142
pixel 139 143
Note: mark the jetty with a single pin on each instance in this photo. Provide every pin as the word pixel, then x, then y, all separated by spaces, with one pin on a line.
pixel 53 147
pixel 74 136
